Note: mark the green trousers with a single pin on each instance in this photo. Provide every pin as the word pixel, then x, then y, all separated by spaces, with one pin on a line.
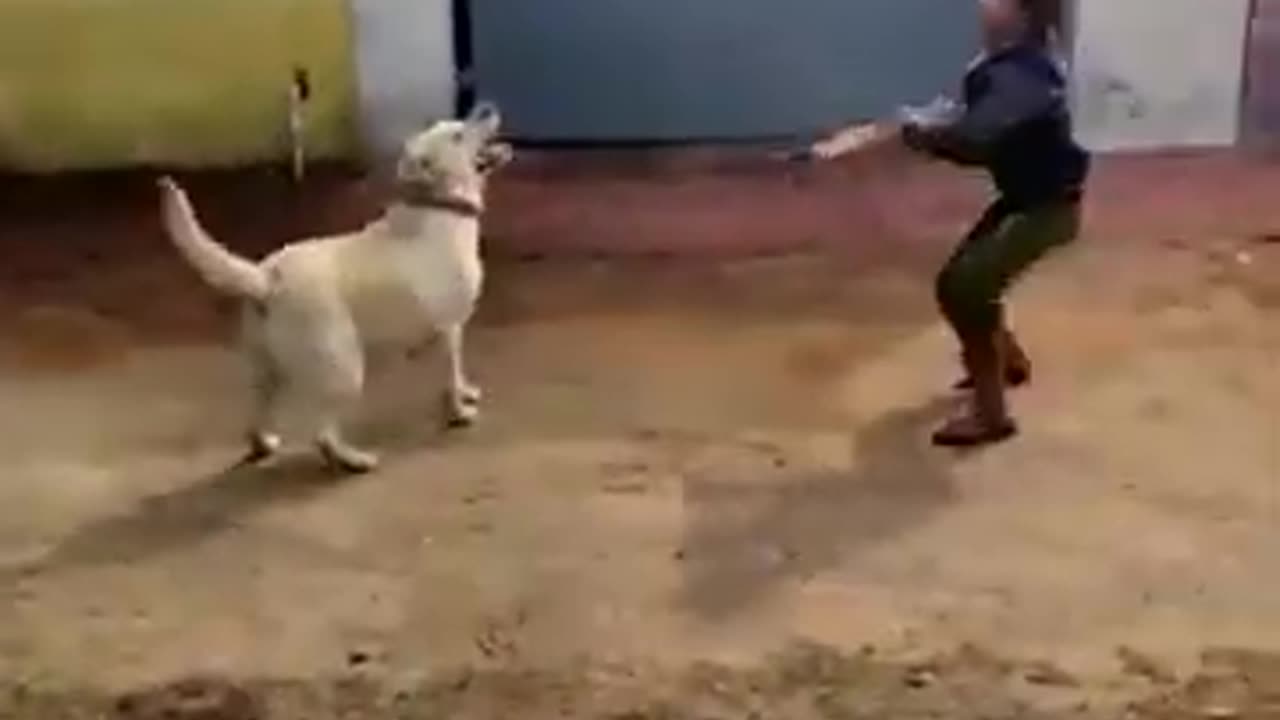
pixel 1005 242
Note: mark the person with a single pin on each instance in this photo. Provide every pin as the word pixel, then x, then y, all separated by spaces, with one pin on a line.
pixel 1013 120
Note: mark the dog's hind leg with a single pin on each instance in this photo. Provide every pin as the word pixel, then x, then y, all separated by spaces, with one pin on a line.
pixel 462 398
pixel 339 381
pixel 340 454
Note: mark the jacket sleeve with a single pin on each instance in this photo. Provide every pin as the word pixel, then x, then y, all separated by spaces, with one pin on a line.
pixel 1005 98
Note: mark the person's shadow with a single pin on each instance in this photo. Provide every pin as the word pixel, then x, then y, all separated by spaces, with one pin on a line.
pixel 798 527
pixel 180 518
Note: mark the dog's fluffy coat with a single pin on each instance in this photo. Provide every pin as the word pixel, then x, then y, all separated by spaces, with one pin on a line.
pixel 313 307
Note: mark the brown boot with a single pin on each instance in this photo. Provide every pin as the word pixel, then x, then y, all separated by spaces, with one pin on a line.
pixel 1017 365
pixel 987 420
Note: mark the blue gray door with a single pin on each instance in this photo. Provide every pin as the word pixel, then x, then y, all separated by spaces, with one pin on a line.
pixel 674 70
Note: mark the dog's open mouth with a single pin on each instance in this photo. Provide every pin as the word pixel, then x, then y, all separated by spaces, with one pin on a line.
pixel 492 156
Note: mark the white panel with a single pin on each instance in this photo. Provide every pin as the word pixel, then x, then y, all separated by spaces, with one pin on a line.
pixel 1151 74
pixel 404 67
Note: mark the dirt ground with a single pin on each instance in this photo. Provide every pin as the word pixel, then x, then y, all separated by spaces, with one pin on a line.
pixel 702 486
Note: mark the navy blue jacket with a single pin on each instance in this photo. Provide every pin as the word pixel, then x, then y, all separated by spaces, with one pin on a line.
pixel 1016 123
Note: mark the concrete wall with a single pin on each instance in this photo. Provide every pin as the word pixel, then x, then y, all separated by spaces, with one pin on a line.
pixel 100 83
pixel 96 83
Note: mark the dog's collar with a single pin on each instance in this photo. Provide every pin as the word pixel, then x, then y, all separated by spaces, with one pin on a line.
pixel 417 196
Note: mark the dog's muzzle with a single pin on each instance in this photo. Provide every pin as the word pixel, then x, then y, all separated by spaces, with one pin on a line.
pixel 493 156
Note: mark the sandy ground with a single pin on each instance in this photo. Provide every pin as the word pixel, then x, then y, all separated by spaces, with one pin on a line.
pixel 702 486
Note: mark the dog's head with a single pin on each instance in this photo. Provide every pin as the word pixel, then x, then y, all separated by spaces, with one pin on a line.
pixel 455 156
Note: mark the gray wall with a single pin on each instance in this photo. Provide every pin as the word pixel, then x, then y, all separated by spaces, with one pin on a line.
pixel 712 69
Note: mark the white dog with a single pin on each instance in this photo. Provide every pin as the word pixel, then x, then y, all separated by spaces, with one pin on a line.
pixel 312 308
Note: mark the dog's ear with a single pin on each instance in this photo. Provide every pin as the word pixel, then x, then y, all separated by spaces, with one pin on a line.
pixel 486 114
pixel 482 110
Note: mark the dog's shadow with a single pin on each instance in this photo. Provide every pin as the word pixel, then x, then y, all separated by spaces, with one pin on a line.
pixel 169 521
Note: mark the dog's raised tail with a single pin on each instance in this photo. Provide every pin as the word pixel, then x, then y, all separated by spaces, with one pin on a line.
pixel 218 266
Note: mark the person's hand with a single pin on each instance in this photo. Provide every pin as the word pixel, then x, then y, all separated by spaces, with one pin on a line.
pixel 915 137
pixel 822 150
pixel 919 124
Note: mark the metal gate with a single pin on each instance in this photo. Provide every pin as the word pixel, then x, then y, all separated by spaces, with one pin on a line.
pixel 705 70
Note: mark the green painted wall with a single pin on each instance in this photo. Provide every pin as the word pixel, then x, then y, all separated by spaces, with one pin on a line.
pixel 102 83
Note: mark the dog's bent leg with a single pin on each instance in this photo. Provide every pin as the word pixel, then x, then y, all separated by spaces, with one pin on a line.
pixel 340 379
pixel 462 398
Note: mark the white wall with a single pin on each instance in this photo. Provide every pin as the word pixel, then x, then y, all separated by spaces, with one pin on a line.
pixel 404 67
pixel 1151 74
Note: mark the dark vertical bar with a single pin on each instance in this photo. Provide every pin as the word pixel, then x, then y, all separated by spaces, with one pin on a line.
pixel 1244 127
pixel 1069 9
pixel 463 56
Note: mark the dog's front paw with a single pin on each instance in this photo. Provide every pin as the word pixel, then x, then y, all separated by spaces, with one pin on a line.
pixel 460 413
pixel 262 447
pixel 470 394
